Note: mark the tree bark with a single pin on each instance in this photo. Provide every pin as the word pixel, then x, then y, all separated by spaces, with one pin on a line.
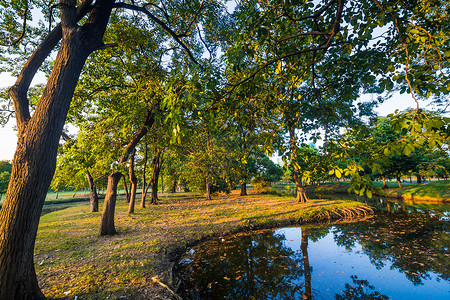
pixel 384 182
pixel 208 187
pixel 133 180
pixel 107 226
pixel 399 181
pixel 93 196
pixel 125 186
pixel 244 186
pixel 34 161
pixel 419 179
pixel 107 221
pixel 301 192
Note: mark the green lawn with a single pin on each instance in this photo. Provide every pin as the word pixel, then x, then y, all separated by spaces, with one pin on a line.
pixel 433 189
pixel 73 260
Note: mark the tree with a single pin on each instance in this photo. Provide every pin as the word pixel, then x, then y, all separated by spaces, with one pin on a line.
pixel 78 35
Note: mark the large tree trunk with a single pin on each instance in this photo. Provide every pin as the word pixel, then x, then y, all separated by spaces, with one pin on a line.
pixel 93 196
pixel 107 226
pixel 419 178
pixel 34 161
pixel 301 192
pixel 133 180
pixel 244 186
pixel 155 175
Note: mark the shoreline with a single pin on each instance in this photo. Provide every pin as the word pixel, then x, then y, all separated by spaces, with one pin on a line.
pixel 139 262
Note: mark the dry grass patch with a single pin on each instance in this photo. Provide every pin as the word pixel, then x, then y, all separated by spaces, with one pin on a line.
pixel 72 260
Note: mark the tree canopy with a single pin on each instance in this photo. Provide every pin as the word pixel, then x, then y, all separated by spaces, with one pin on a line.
pixel 227 86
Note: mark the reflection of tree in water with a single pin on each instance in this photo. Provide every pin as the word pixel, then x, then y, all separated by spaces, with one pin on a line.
pixel 257 266
pixel 415 243
pixel 361 289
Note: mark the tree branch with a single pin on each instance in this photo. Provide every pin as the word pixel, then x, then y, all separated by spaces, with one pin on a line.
pixel 194 18
pixel 18 92
pixel 274 61
pixel 175 36
pixel 24 27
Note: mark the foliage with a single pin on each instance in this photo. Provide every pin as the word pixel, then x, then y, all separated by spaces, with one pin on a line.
pixel 4 181
pixel 262 184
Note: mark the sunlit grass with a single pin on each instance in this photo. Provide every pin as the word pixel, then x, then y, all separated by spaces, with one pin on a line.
pixel 72 259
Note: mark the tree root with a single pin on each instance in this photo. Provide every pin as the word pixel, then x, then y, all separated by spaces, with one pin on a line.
pixel 157 281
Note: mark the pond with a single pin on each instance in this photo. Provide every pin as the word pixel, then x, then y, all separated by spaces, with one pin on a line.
pixel 402 253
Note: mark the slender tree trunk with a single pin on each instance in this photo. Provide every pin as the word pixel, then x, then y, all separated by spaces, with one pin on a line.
pixel 174 186
pixel 384 181
pixel 127 194
pixel 107 226
pixel 148 186
pixel 399 181
pixel 301 192
pixel 93 196
pixel 306 268
pixel 208 187
pixel 133 180
pixel 144 177
pixel 107 221
pixel 155 176
pixel 34 161
pixel 419 179
pixel 244 186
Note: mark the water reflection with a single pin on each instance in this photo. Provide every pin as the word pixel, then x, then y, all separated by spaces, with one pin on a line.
pixel 401 255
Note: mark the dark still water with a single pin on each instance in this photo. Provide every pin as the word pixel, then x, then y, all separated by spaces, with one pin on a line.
pixel 401 254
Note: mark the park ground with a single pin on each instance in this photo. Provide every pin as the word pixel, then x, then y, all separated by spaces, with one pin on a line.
pixel 72 260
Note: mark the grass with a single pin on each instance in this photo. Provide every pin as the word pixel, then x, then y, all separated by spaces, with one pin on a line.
pixel 426 191
pixel 73 260
pixel 437 190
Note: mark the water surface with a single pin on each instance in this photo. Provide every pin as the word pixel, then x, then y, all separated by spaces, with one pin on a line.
pixel 402 253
